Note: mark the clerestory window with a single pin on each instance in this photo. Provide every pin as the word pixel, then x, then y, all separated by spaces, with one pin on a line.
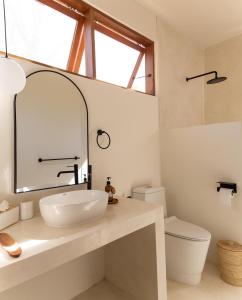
pixel 73 36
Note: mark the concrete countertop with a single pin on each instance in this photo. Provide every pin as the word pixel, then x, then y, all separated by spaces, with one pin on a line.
pixel 45 248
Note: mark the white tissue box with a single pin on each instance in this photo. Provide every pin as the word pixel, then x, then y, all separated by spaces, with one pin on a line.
pixel 9 217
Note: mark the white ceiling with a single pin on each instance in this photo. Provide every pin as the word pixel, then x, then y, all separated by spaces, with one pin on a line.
pixel 206 22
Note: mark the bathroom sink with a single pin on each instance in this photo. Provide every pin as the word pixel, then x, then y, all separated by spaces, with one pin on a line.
pixel 71 208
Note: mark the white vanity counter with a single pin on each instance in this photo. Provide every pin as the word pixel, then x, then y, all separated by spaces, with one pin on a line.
pixel 45 248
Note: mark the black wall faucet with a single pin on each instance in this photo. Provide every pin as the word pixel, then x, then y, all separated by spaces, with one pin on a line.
pixel 75 172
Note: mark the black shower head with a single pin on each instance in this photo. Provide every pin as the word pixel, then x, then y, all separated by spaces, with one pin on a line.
pixel 216 79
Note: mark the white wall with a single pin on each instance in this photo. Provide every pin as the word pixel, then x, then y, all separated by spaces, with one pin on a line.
pixel 194 159
pixel 181 102
pixel 223 101
pixel 130 13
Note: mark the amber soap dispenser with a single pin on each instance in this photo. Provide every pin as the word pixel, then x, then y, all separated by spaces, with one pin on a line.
pixel 111 191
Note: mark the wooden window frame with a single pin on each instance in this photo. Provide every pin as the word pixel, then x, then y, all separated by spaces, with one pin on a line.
pixel 90 19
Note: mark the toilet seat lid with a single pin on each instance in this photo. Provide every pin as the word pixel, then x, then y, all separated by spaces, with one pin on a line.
pixel 185 230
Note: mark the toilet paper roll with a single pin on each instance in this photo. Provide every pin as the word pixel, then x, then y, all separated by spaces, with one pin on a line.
pixel 225 197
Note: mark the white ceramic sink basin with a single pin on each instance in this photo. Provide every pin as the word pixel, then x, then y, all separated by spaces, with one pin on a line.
pixel 71 208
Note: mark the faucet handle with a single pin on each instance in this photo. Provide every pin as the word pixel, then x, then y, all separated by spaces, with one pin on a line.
pixel 85 178
pixel 73 166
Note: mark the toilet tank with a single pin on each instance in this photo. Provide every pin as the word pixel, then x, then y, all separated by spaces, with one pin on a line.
pixel 151 194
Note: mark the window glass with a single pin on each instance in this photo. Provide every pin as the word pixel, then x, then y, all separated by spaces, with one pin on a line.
pixel 38 32
pixel 82 70
pixel 139 81
pixel 115 61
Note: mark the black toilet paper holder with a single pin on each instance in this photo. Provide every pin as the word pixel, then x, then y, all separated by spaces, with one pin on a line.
pixel 227 185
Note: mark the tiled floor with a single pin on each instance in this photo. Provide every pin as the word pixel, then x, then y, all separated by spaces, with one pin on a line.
pixel 210 288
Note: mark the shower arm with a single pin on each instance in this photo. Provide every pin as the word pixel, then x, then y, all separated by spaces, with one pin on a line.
pixel 212 72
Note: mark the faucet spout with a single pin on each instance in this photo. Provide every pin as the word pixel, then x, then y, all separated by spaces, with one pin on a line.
pixel 74 171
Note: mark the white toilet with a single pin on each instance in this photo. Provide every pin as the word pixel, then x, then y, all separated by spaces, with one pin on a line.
pixel 186 244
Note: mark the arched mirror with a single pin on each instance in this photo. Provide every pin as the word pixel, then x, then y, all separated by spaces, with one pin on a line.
pixel 51 133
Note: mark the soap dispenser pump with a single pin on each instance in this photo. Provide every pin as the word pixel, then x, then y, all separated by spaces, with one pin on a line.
pixel 111 191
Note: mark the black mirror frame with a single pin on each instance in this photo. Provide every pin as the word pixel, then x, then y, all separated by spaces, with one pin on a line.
pixel 89 183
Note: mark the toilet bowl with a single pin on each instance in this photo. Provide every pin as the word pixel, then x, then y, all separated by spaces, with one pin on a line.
pixel 186 250
pixel 186 244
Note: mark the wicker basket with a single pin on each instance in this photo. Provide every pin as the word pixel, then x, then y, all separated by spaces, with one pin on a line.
pixel 230 262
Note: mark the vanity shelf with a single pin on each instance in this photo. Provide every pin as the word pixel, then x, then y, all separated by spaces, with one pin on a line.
pixel 129 245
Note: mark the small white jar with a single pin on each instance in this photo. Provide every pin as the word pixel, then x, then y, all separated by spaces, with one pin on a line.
pixel 26 210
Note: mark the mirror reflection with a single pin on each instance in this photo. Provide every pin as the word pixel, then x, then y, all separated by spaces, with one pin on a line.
pixel 51 133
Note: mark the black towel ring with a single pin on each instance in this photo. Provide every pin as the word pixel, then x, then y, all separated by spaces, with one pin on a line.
pixel 99 133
